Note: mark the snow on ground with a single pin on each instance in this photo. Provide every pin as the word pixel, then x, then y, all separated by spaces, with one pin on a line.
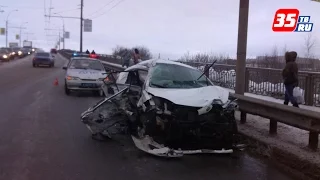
pixel 290 138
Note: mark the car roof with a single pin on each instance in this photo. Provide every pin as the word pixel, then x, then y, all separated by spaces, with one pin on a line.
pixel 151 62
pixel 43 52
pixel 85 58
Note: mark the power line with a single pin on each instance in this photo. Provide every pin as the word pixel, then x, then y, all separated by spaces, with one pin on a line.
pixel 108 9
pixel 67 10
pixel 25 7
pixel 102 7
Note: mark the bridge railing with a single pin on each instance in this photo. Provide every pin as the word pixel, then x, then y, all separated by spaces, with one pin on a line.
pixel 261 81
pixel 264 81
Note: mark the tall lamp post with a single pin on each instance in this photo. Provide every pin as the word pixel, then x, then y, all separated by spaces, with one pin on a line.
pixel 20 32
pixel 63 30
pixel 7 25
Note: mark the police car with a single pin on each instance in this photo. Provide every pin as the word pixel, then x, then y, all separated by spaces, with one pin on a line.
pixel 84 74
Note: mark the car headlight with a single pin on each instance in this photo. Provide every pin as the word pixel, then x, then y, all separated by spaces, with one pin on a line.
pixel 5 56
pixel 13 53
pixel 104 79
pixel 19 52
pixel 72 78
pixel 28 52
pixel 33 49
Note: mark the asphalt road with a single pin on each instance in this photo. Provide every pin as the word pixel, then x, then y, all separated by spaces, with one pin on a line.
pixel 42 138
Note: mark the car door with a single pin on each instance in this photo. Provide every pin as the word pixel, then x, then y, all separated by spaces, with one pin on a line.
pixel 134 79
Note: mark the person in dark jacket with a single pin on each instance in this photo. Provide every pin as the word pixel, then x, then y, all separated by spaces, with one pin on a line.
pixel 93 52
pixel 87 52
pixel 136 56
pixel 290 77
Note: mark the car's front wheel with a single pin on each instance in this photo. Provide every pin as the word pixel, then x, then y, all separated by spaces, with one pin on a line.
pixel 66 90
pixel 34 65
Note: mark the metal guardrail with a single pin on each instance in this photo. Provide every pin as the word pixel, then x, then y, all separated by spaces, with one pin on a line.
pixel 300 118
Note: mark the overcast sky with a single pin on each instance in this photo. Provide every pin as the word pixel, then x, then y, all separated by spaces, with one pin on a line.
pixel 169 27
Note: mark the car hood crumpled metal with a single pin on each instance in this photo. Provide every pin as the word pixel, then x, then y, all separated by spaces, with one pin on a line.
pixel 195 97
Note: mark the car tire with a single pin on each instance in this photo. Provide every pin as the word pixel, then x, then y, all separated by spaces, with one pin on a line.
pixel 66 90
pixel 52 65
pixel 101 93
pixel 34 65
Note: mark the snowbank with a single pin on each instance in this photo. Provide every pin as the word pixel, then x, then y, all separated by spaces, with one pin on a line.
pixel 227 79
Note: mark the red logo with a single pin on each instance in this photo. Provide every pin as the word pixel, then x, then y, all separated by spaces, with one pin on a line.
pixel 285 20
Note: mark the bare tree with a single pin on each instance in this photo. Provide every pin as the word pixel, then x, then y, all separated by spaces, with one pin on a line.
pixel 309 44
pixel 125 52
pixel 285 49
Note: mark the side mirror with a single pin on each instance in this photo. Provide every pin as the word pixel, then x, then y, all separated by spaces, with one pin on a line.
pixel 64 67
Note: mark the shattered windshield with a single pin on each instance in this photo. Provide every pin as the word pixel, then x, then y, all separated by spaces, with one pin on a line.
pixel 177 76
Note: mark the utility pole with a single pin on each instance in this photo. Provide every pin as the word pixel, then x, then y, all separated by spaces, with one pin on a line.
pixel 59 41
pixel 7 26
pixel 20 29
pixel 81 25
pixel 28 35
pixel 242 51
pixel 63 35
pixel 63 30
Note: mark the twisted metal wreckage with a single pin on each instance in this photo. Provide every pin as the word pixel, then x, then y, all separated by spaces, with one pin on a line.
pixel 189 116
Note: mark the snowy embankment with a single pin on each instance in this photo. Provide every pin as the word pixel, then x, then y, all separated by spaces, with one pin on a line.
pixel 227 79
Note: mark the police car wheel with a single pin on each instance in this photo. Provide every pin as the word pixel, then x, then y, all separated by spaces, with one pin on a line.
pixel 66 90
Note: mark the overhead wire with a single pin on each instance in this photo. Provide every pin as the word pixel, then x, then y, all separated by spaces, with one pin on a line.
pixel 108 10
pixel 67 10
pixel 101 8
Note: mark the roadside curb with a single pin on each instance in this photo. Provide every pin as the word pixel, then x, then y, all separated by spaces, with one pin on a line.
pixel 282 158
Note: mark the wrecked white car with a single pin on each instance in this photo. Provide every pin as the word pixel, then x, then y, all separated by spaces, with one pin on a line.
pixel 168 108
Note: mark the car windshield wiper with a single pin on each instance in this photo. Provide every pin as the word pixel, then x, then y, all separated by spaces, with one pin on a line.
pixel 81 68
pixel 158 85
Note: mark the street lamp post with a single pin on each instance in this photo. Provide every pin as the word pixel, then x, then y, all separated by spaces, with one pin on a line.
pixel 7 25
pixel 63 31
pixel 81 25
pixel 20 33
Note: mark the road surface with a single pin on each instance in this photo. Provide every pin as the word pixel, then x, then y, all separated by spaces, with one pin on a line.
pixel 42 138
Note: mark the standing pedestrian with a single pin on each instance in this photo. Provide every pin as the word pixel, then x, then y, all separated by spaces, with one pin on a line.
pixel 136 56
pixel 290 77
pixel 126 59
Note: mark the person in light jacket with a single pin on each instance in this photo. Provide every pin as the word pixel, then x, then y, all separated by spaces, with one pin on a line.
pixel 290 77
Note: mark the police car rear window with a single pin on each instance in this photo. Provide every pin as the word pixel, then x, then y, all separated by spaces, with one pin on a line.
pixel 43 54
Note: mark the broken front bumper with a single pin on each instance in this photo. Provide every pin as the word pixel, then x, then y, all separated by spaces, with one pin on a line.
pixel 147 145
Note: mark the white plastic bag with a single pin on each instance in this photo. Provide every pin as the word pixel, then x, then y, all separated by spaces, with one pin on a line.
pixel 297 93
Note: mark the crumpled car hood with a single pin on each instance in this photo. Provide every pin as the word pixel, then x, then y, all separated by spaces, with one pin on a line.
pixel 195 97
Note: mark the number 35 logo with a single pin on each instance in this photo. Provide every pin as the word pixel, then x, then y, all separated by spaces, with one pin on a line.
pixel 285 20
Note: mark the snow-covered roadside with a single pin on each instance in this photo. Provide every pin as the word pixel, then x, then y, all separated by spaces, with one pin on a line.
pixel 288 138
pixel 285 132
